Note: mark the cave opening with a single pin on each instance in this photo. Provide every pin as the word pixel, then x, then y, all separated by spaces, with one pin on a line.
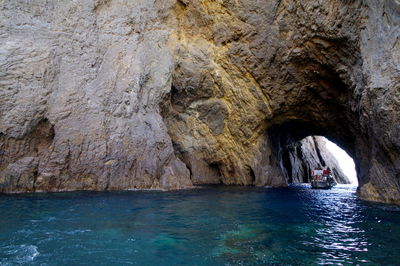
pixel 301 157
pixel 345 161
pixel 303 146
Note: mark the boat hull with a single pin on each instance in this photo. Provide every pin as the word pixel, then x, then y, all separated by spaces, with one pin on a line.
pixel 321 184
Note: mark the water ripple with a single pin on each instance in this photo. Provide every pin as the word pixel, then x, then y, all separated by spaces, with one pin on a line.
pixel 208 226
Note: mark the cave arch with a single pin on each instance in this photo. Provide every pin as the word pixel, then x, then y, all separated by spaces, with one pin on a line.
pixel 240 98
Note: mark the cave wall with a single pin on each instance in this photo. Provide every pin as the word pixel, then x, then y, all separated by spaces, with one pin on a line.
pixel 164 94
pixel 96 71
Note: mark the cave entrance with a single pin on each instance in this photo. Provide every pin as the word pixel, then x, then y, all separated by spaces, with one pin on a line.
pixel 345 162
pixel 300 157
pixel 303 146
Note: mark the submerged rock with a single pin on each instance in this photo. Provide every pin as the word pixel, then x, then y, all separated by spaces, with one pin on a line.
pixel 103 95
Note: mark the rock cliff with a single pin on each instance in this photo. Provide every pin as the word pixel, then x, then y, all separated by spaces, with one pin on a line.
pixel 123 94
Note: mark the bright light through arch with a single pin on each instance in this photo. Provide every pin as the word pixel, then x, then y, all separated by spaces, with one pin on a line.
pixel 344 160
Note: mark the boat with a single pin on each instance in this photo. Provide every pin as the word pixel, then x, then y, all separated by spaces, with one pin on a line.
pixel 322 179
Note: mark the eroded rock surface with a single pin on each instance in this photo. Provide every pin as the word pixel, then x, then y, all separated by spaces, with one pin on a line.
pixel 166 94
pixel 96 72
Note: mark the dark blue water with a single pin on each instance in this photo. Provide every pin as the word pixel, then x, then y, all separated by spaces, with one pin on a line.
pixel 208 226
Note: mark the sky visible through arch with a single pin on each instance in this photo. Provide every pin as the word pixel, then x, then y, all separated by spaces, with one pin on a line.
pixel 344 160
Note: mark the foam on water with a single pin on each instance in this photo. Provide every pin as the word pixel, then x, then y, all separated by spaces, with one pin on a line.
pixel 18 254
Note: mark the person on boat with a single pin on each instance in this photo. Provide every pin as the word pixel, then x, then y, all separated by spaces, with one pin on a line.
pixel 330 176
pixel 318 173
pixel 314 174
pixel 326 171
pixel 325 174
pixel 321 173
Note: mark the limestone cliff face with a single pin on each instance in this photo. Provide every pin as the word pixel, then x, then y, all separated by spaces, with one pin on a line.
pixel 300 158
pixel 89 75
pixel 120 94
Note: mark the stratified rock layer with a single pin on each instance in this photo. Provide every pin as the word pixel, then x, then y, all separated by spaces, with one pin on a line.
pixel 122 94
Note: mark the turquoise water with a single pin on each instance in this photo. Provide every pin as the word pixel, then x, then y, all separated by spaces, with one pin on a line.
pixel 206 226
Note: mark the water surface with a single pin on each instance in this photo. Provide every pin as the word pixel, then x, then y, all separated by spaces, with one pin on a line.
pixel 207 226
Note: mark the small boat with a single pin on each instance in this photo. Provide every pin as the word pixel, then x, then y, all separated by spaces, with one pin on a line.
pixel 322 179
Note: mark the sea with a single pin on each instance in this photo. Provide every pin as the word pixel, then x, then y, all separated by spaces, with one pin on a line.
pixel 212 225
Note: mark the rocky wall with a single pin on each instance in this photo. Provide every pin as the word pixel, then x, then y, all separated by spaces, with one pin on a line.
pixel 167 94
